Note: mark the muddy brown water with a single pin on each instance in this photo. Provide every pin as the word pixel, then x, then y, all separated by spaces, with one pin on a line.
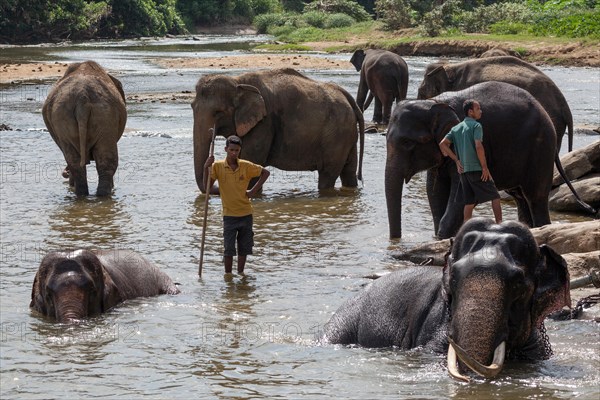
pixel 246 337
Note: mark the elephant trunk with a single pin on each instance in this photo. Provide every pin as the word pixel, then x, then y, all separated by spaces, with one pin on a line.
pixel 476 329
pixel 202 142
pixel 394 185
pixel 71 306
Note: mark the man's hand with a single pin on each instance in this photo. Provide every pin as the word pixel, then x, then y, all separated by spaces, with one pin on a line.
pixel 209 161
pixel 485 175
pixel 459 166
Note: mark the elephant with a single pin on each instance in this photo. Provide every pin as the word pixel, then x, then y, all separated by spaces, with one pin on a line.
pixel 385 76
pixel 441 78
pixel 72 285
pixel 519 142
pixel 486 305
pixel 285 120
pixel 85 114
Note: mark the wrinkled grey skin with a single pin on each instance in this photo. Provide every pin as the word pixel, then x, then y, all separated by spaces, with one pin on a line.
pixel 440 78
pixel 85 115
pixel 519 142
pixel 285 120
pixel 497 286
pixel 72 285
pixel 385 75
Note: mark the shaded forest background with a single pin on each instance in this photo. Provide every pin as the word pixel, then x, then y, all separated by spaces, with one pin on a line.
pixel 37 21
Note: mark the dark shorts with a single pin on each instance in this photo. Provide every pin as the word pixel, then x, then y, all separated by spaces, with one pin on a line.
pixel 238 229
pixel 473 190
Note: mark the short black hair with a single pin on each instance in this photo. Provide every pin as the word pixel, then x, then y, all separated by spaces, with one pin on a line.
pixel 468 105
pixel 233 139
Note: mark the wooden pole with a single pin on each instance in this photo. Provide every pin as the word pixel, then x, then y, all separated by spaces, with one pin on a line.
pixel 207 195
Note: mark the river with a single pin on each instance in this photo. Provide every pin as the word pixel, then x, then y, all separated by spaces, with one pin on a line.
pixel 250 336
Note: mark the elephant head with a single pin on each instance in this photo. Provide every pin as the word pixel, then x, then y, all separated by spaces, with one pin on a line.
pixel 415 129
pixel 227 106
pixel 357 59
pixel 72 285
pixel 438 79
pixel 499 287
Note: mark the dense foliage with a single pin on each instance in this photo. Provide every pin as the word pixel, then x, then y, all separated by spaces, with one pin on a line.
pixel 27 21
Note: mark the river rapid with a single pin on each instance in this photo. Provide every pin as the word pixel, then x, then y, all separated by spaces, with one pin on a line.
pixel 252 336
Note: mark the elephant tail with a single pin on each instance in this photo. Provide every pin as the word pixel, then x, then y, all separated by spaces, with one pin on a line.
pixel 361 133
pixel 82 115
pixel 562 173
pixel 361 130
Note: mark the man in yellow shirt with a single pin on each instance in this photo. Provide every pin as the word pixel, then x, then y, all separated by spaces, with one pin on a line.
pixel 234 175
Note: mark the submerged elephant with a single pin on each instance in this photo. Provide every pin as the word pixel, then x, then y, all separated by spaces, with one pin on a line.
pixel 440 78
pixel 385 75
pixel 487 304
pixel 72 285
pixel 285 119
pixel 85 115
pixel 519 142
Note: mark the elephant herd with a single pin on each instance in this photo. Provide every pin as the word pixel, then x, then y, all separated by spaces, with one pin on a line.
pixel 294 123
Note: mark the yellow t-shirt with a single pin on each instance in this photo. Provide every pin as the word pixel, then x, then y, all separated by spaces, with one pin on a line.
pixel 233 186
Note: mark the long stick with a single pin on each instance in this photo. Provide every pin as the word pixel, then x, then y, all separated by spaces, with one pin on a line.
pixel 207 194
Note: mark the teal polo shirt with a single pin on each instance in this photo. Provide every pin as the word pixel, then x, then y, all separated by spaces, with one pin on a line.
pixel 463 136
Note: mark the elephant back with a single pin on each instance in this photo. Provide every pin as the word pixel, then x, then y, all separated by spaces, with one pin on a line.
pixel 135 276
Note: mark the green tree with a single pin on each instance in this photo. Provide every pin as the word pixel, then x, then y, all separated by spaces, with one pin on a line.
pixel 348 7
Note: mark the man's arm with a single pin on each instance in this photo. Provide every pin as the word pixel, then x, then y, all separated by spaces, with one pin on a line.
pixel 485 172
pixel 264 175
pixel 447 152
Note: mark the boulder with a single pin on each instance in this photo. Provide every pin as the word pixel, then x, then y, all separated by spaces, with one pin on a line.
pixel 573 237
pixel 587 187
pixel 579 163
pixel 581 264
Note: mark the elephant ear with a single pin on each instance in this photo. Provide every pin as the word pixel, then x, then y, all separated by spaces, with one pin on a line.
pixel 249 108
pixel 357 59
pixel 37 298
pixel 443 118
pixel 118 85
pixel 552 291
pixel 111 295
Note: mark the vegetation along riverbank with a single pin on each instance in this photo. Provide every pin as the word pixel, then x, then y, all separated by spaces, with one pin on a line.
pixel 563 32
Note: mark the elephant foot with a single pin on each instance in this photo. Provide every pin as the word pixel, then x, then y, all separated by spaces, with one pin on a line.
pixel 105 187
pixel 82 191
pixel 104 190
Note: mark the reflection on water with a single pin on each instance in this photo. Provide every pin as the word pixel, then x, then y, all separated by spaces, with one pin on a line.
pixel 237 336
pixel 92 220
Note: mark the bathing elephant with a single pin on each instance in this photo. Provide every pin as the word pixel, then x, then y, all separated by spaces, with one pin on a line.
pixel 519 142
pixel 285 120
pixel 85 115
pixel 385 75
pixel 486 305
pixel 441 78
pixel 71 285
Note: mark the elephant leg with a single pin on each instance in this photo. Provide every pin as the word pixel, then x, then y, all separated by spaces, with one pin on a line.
pixel 523 212
pixel 327 178
pixel 444 190
pixel 438 190
pixel 538 208
pixel 387 100
pixel 348 174
pixel 377 112
pixel 78 179
pixel 107 161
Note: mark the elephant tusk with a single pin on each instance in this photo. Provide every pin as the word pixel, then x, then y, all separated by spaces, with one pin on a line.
pixel 452 367
pixel 485 371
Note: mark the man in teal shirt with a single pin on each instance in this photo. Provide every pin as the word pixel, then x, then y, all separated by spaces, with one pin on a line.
pixel 476 183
